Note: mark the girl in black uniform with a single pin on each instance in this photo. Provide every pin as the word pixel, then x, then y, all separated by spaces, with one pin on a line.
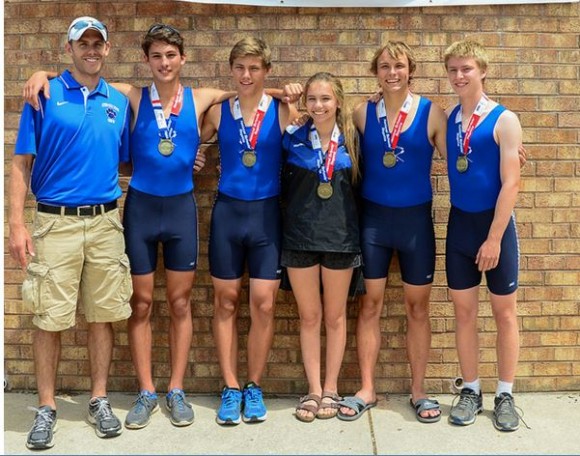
pixel 320 234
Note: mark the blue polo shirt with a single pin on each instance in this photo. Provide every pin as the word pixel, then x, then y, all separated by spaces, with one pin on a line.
pixel 78 139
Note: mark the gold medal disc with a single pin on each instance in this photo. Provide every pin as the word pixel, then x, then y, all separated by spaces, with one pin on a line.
pixel 165 147
pixel 249 158
pixel 389 159
pixel 462 163
pixel 324 190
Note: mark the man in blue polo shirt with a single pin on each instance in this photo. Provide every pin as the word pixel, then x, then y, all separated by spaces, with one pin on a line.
pixel 70 151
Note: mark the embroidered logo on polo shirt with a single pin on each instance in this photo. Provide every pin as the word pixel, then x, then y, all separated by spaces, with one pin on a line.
pixel 111 111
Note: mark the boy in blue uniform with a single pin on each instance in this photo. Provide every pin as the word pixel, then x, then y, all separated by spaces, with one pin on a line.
pixel 245 224
pixel 398 136
pixel 484 176
pixel 70 151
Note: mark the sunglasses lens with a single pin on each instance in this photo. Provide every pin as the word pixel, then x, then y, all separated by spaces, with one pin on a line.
pixel 84 24
pixel 158 27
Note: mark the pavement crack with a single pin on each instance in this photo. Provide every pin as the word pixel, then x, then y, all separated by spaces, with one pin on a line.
pixel 372 426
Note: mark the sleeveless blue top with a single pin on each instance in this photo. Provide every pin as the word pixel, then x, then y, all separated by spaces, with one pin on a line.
pixel 476 189
pixel 262 180
pixel 408 183
pixel 154 173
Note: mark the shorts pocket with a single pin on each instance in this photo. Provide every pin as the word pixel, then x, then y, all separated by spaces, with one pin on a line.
pixel 115 220
pixel 34 286
pixel 42 227
pixel 125 289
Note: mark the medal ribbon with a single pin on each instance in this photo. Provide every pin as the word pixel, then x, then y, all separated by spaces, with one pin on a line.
pixel 324 164
pixel 390 140
pixel 463 142
pixel 250 141
pixel 158 110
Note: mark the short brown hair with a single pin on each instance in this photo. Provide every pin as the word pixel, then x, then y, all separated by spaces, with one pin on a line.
pixel 165 33
pixel 252 46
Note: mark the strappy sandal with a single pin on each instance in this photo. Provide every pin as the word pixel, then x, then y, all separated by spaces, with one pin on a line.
pixel 302 405
pixel 325 406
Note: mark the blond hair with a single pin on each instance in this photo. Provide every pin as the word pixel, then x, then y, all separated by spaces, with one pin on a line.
pixel 343 117
pixel 396 49
pixel 252 46
pixel 467 49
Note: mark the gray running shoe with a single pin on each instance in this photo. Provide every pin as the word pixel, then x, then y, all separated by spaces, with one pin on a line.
pixel 505 415
pixel 465 411
pixel 102 416
pixel 181 411
pixel 41 435
pixel 143 407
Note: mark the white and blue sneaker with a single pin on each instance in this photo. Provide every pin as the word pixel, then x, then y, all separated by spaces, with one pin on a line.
pixel 230 409
pixel 254 407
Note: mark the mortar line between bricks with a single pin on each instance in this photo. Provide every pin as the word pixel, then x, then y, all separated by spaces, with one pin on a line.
pixel 372 427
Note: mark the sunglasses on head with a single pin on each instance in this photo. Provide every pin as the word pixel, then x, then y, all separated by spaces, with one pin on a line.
pixel 158 27
pixel 80 25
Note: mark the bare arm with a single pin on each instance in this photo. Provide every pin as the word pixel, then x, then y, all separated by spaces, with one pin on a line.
pixel 210 123
pixel 20 241
pixel 205 98
pixel 359 116
pixel 508 134
pixel 288 113
pixel 124 88
pixel 437 129
pixel 37 83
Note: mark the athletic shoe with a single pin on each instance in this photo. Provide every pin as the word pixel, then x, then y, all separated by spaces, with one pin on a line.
pixel 254 407
pixel 465 411
pixel 143 407
pixel 230 407
pixel 180 411
pixel 41 435
pixel 505 416
pixel 102 416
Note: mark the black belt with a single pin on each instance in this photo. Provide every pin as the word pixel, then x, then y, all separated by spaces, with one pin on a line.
pixel 80 211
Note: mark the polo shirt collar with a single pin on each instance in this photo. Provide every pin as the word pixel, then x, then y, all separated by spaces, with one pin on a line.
pixel 71 83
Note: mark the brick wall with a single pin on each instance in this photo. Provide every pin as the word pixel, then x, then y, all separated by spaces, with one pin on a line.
pixel 534 71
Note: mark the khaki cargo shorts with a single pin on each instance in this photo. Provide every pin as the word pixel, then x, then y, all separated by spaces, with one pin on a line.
pixel 78 259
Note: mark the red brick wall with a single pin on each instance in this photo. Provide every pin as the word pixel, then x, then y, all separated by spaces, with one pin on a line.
pixel 534 71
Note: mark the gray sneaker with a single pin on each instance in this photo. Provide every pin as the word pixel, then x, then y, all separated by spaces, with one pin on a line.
pixel 102 416
pixel 41 435
pixel 505 416
pixel 465 411
pixel 143 407
pixel 180 411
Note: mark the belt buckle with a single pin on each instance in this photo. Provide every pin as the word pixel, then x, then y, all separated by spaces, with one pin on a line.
pixel 86 211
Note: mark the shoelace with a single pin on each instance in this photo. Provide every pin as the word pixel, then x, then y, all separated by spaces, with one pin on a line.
pixel 507 403
pixel 178 401
pixel 229 399
pixel 253 394
pixel 103 409
pixel 43 421
pixel 466 400
pixel 141 401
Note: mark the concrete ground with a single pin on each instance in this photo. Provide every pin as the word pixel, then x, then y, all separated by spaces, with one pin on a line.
pixel 390 428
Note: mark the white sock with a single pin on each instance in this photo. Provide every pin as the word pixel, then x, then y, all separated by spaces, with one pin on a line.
pixel 474 385
pixel 504 387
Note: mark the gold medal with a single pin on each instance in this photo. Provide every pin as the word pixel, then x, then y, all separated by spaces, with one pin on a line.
pixel 165 147
pixel 462 163
pixel 324 190
pixel 249 158
pixel 389 159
